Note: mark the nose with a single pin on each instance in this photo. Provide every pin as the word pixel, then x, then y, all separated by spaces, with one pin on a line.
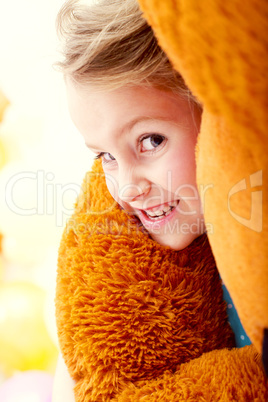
pixel 132 185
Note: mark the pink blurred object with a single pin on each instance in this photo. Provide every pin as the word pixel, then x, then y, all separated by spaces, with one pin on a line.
pixel 27 386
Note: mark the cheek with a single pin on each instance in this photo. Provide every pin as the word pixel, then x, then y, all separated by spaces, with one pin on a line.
pixel 184 161
pixel 178 169
pixel 112 185
pixel 185 166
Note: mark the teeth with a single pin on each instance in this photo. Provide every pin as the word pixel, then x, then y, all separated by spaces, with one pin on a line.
pixel 167 208
pixel 156 213
pixel 160 212
pixel 153 213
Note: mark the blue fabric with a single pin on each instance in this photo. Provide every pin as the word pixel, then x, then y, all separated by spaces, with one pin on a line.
pixel 241 337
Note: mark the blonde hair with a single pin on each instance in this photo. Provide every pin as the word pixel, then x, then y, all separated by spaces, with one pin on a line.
pixel 108 44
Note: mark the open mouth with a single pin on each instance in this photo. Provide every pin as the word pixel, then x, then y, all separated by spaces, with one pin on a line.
pixel 161 211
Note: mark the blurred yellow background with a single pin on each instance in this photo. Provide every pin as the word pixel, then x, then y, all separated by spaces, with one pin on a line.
pixel 42 163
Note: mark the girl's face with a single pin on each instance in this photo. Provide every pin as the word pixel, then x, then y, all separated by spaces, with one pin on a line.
pixel 146 139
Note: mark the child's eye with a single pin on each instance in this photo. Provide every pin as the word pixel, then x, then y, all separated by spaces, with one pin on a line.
pixel 151 141
pixel 105 156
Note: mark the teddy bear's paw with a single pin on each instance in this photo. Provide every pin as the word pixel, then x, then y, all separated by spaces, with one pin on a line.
pixel 220 375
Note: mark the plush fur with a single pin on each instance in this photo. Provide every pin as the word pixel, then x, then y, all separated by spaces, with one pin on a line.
pixel 138 319
pixel 221 49
pixel 140 322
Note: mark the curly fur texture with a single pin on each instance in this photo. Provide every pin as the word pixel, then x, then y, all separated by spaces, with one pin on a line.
pixel 220 375
pixel 140 322
pixel 128 309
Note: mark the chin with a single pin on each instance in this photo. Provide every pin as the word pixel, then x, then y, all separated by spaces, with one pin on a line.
pixel 178 242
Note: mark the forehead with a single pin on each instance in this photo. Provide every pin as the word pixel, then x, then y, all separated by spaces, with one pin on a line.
pixel 132 100
pixel 99 114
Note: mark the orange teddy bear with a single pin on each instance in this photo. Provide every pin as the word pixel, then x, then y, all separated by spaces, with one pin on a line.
pixel 138 321
pixel 220 48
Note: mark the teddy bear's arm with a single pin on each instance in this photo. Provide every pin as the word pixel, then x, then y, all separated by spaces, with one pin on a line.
pixel 220 49
pixel 220 375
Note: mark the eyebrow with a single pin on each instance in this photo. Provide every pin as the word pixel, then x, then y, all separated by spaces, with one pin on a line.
pixel 129 126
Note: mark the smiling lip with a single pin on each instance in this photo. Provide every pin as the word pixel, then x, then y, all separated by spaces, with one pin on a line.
pixel 157 216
